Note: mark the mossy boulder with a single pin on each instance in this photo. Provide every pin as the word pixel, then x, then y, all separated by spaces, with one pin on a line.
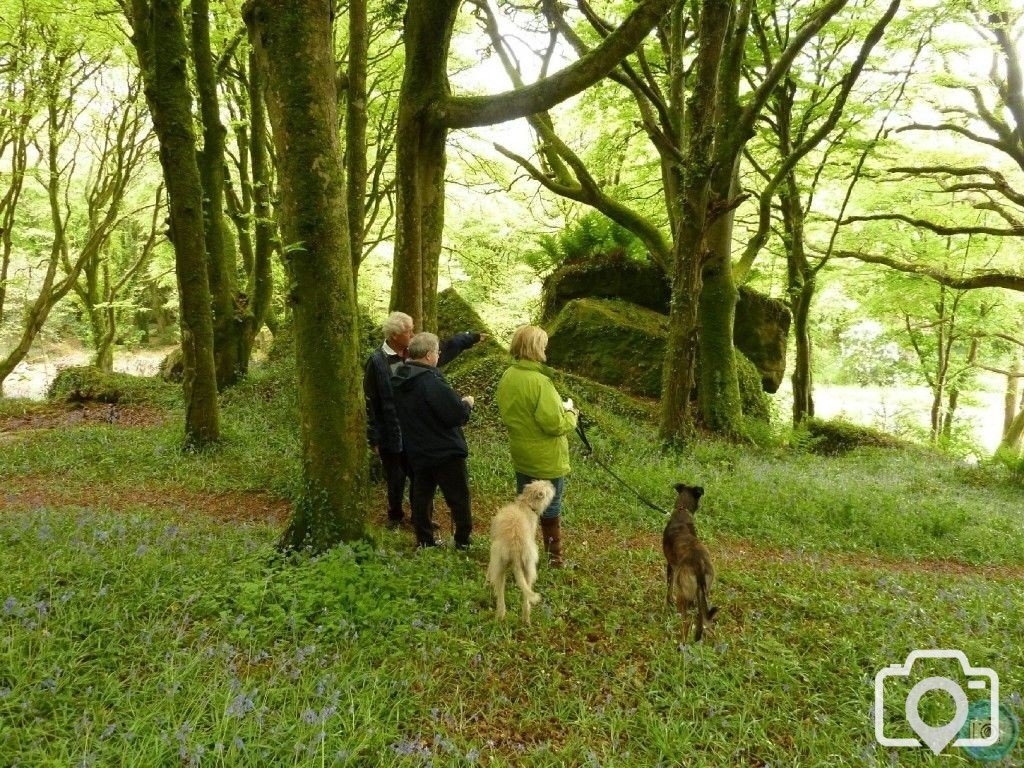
pixel 760 332
pixel 87 384
pixel 761 326
pixel 622 345
pixel 610 341
pixel 610 276
pixel 836 437
pixel 172 367
pixel 456 315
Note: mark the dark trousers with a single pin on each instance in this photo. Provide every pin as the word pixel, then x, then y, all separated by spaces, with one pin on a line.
pixel 453 479
pixel 396 469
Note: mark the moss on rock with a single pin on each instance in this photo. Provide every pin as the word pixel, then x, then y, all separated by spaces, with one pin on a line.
pixel 760 331
pixel 612 342
pixel 612 276
pixel 87 384
pixel 836 437
pixel 622 345
pixel 761 326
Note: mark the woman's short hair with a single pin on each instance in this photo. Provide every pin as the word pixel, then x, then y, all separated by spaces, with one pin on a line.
pixel 421 345
pixel 529 343
pixel 396 323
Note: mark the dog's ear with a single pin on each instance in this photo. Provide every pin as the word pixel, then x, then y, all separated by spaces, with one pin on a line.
pixel 680 487
pixel 697 492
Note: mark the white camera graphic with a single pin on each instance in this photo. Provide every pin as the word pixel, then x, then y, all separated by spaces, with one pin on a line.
pixel 937 738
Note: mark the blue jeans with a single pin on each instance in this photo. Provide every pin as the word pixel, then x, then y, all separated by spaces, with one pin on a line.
pixel 555 507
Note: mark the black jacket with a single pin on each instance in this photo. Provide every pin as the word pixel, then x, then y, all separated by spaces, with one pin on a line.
pixel 382 427
pixel 431 414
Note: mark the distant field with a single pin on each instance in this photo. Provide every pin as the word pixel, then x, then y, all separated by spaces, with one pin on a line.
pixel 892 408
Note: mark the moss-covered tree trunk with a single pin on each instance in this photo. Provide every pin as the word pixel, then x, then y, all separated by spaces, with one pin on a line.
pixel 261 279
pixel 803 371
pixel 158 34
pixel 228 329
pixel 420 157
pixel 801 285
pixel 1010 396
pixel 718 391
pixel 292 39
pixel 690 251
pixel 355 128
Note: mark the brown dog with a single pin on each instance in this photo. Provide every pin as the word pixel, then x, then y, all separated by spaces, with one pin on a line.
pixel 688 568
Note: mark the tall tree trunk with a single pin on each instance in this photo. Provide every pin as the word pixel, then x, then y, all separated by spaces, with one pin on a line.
pixel 159 39
pixel 292 39
pixel 690 252
pixel 718 391
pixel 1011 395
pixel 221 267
pixel 261 280
pixel 355 128
pixel 803 370
pixel 801 281
pixel 420 158
pixel 1014 436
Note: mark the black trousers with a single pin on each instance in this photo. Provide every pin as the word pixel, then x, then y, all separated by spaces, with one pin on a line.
pixel 452 477
pixel 396 469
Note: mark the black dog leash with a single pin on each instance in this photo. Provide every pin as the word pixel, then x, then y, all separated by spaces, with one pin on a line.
pixel 581 431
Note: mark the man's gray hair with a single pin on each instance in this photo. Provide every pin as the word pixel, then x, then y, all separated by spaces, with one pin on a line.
pixel 396 323
pixel 423 344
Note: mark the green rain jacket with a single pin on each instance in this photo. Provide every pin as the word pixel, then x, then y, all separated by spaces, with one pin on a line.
pixel 537 422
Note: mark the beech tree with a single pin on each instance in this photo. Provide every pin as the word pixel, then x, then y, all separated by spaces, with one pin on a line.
pixel 698 104
pixel 292 40
pixel 229 338
pixel 806 124
pixel 428 111
pixel 158 34
pixel 85 163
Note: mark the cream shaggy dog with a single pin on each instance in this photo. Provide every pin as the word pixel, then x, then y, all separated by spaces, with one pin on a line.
pixel 514 544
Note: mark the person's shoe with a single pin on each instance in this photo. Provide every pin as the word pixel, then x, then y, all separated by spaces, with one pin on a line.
pixel 426 544
pixel 394 524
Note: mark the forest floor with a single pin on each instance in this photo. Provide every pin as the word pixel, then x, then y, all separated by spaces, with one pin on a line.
pixel 147 621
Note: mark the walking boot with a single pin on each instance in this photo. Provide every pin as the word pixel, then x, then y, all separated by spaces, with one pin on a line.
pixel 551 528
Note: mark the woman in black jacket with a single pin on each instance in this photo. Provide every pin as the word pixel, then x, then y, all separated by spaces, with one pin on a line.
pixel 432 415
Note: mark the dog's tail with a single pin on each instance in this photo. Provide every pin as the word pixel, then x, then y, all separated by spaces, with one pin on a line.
pixel 704 613
pixel 520 566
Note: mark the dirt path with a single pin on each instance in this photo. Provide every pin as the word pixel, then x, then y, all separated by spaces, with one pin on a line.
pixel 29 493
pixel 35 492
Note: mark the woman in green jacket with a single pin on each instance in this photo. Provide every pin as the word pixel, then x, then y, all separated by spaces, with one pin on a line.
pixel 538 423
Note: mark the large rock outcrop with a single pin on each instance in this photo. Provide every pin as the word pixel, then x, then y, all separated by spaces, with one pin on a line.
pixel 762 323
pixel 622 345
pixel 610 341
pixel 611 276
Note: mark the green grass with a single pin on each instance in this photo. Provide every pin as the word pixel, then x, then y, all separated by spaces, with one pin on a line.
pixel 134 636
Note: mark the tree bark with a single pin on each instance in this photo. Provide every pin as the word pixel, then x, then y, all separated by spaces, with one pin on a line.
pixel 292 40
pixel 1011 397
pixel 261 280
pixel 718 392
pixel 690 249
pixel 355 128
pixel 159 39
pixel 228 331
pixel 420 157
